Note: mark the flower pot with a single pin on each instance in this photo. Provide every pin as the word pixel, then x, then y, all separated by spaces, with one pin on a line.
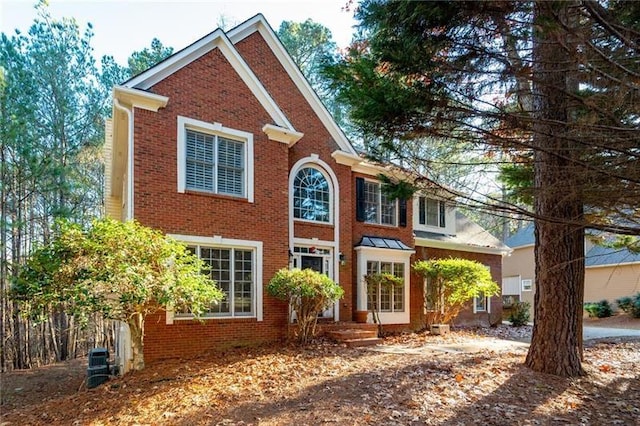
pixel 361 316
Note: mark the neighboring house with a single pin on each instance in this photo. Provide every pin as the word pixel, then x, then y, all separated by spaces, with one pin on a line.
pixel 225 147
pixel 609 273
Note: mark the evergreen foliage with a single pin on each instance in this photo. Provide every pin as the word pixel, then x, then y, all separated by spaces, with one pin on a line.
pixel 451 284
pixel 308 293
pixel 122 270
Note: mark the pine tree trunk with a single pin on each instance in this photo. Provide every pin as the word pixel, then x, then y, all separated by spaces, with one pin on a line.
pixel 136 327
pixel 559 250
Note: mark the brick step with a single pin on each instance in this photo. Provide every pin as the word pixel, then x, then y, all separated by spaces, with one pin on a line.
pixel 351 334
pixel 368 341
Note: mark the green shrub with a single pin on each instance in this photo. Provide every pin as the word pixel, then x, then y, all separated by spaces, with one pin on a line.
pixel 308 293
pixel 630 305
pixel 624 304
pixel 519 315
pixel 601 309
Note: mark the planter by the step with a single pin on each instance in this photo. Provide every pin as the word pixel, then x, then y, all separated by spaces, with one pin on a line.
pixel 361 316
pixel 440 329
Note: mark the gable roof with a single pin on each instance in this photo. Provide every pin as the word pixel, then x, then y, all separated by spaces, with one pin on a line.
pixel 524 237
pixel 469 236
pixel 595 256
pixel 215 40
pixel 260 25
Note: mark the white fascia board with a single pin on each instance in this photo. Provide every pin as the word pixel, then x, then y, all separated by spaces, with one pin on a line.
pixel 140 98
pixel 259 23
pixel 219 40
pixel 425 242
pixel 360 165
pixel 280 134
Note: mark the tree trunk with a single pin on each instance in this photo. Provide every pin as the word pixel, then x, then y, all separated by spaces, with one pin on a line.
pixel 559 248
pixel 136 327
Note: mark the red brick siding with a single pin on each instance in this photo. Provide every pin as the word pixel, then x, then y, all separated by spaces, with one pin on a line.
pixel 208 89
pixel 316 140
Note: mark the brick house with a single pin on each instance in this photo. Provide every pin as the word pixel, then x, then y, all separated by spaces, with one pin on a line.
pixel 225 147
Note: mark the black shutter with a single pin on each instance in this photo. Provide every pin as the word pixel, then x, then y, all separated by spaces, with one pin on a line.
pixel 402 220
pixel 360 217
pixel 422 211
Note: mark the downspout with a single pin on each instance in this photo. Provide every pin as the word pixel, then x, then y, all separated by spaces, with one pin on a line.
pixel 118 105
pixel 123 340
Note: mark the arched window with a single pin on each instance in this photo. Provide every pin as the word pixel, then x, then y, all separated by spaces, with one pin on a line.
pixel 311 196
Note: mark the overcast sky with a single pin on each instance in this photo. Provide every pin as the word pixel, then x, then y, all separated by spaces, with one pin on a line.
pixel 122 27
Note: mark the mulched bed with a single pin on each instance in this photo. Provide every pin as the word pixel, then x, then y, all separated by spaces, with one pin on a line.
pixel 327 383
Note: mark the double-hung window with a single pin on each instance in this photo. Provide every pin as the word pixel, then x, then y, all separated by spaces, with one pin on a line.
pixel 431 212
pixel 214 159
pixel 378 207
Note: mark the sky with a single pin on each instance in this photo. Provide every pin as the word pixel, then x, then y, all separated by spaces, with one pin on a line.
pixel 122 27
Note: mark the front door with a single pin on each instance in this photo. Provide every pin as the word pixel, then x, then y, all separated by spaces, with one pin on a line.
pixel 319 263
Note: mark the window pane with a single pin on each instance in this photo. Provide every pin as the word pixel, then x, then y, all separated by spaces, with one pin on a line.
pixel 432 212
pixel 220 271
pixel 230 167
pixel 243 282
pixel 385 298
pixel 422 210
pixel 371 201
pixel 200 162
pixel 388 210
pixel 372 291
pixel 311 195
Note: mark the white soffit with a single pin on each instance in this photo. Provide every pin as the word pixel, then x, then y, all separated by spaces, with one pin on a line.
pixel 216 39
pixel 280 134
pixel 259 23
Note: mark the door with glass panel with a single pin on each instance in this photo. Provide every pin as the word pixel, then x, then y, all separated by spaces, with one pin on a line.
pixel 318 260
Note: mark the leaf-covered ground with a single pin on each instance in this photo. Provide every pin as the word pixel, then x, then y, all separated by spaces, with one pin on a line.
pixel 463 378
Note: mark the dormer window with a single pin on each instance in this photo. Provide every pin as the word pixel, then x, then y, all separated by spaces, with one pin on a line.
pixel 431 212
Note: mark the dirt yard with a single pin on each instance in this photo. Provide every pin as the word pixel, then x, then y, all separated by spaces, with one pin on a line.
pixel 411 379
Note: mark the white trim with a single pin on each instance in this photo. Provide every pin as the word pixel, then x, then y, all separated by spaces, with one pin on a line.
pixel 259 24
pixel 280 134
pixel 314 159
pixel 364 254
pixel 214 129
pixel 129 202
pixel 140 98
pixel 361 165
pixel 216 39
pixel 426 242
pixel 218 241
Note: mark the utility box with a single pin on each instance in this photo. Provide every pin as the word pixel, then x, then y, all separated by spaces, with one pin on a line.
pixel 440 329
pixel 98 370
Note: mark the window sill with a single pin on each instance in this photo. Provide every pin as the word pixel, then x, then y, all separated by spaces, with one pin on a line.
pixel 214 318
pixel 380 225
pixel 314 223
pixel 215 195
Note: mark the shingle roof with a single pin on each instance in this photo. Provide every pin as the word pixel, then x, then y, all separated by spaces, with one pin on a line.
pixel 599 255
pixel 595 256
pixel 523 237
pixel 468 233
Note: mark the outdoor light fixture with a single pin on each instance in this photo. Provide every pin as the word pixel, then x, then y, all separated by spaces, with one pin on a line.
pixel 343 259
